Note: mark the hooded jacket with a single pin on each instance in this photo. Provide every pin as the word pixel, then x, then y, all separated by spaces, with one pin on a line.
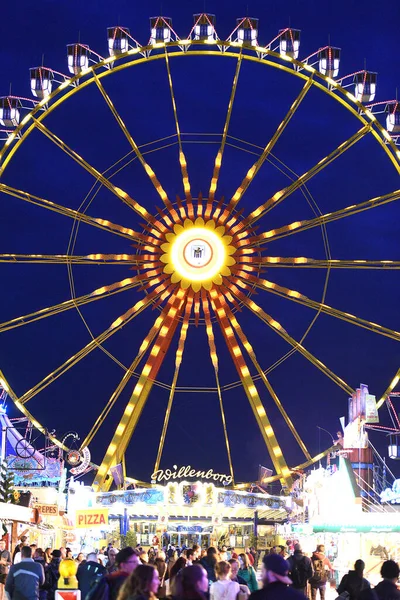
pixel 387 590
pixel 354 584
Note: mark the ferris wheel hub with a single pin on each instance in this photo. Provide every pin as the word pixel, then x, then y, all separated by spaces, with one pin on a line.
pixel 198 254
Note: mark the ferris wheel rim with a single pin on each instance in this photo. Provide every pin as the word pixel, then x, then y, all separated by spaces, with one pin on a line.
pixel 9 154
pixel 345 98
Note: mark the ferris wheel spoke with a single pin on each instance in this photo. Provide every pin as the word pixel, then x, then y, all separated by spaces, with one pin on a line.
pixel 252 172
pixel 281 195
pixel 250 389
pixel 220 154
pixel 313 263
pixel 149 171
pixel 277 327
pixel 140 210
pixel 214 360
pixel 137 401
pixel 148 340
pixel 73 214
pixel 98 294
pixel 182 157
pixel 68 259
pixel 248 347
pixel 178 362
pixel 294 296
pixel 118 324
pixel 348 211
pixel 389 389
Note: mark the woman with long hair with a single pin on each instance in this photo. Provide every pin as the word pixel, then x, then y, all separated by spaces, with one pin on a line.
pixel 142 584
pixel 191 583
pixel 224 588
pixel 161 567
pixel 180 564
pixel 247 573
pixel 209 562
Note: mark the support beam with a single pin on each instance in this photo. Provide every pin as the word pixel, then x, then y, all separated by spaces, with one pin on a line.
pixel 140 210
pixel 178 362
pixel 277 328
pixel 280 232
pixel 98 294
pixel 252 172
pixel 220 154
pixel 214 360
pixel 278 197
pixel 134 408
pixel 250 389
pixel 94 343
pixel 73 214
pixel 149 171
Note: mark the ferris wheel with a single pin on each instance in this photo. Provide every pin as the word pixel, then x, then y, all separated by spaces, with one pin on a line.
pixel 199 259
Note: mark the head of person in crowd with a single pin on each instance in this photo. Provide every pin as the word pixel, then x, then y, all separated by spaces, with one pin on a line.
pixel 212 555
pixel 190 555
pixel 112 555
pixel 390 570
pixel 161 554
pixel 127 560
pixel 191 583
pixel 80 558
pixel 68 553
pixel 320 549
pixel 179 564
pixel 33 546
pixel 48 554
pixel 56 556
pixel 234 567
pixel 223 569
pixel 143 582
pixel 92 557
pixel 197 551
pixel 23 541
pixel 275 570
pixel 26 552
pixel 359 567
pixel 63 552
pixel 2 545
pixel 38 555
pixel 143 556
pixel 244 561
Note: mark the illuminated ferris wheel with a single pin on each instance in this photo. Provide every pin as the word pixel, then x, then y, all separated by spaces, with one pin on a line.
pixel 199 259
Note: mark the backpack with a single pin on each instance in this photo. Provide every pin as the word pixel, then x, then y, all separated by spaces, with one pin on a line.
pixel 298 573
pixel 99 590
pixel 50 579
pixel 320 575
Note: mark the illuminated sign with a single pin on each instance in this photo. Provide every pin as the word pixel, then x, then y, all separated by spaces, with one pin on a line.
pixel 188 473
pixel 92 517
pixel 47 509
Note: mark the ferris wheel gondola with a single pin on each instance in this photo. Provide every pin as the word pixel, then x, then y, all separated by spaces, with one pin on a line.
pixel 198 259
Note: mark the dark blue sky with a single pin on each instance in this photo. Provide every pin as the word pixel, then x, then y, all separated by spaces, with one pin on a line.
pixel 365 31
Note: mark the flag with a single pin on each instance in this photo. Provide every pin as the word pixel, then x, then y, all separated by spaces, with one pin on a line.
pixel 263 472
pixel 117 474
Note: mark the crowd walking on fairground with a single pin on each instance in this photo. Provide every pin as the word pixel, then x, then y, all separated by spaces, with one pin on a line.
pixel 187 574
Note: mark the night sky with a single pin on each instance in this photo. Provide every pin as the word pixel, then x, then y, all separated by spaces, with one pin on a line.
pixel 367 32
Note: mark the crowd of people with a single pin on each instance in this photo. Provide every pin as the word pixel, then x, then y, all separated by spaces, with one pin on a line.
pixel 187 574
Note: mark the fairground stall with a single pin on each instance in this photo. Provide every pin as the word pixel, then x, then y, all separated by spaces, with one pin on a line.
pixel 181 513
pixel 348 505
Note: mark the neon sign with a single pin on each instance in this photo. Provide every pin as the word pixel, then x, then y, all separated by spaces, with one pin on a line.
pixel 188 472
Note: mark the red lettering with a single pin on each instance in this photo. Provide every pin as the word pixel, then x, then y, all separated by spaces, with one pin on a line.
pixel 102 520
pixel 81 519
